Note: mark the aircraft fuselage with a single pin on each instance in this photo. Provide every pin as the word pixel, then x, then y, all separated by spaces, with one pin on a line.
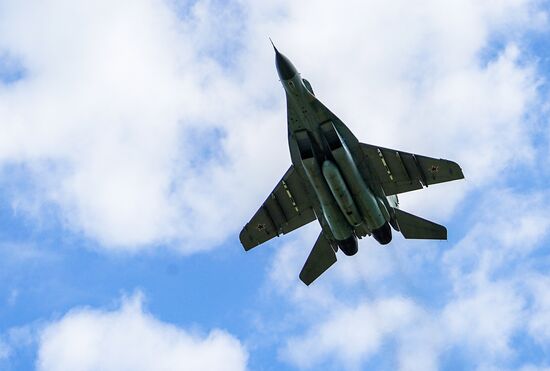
pixel 322 150
pixel 350 187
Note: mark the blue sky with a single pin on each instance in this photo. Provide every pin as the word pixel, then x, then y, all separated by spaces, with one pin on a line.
pixel 136 145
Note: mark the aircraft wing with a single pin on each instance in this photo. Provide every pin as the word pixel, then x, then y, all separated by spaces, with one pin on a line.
pixel 400 172
pixel 287 208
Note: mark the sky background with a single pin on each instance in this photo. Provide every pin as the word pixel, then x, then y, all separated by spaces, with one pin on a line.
pixel 138 137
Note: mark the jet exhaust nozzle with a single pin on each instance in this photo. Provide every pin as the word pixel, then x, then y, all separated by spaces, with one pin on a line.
pixel 383 234
pixel 349 246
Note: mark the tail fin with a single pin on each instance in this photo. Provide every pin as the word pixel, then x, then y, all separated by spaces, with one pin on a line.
pixel 321 258
pixel 414 227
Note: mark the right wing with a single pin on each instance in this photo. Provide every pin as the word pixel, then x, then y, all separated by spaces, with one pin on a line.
pixel 401 172
pixel 287 208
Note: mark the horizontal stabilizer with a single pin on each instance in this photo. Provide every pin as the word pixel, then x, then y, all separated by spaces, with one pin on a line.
pixel 414 227
pixel 321 257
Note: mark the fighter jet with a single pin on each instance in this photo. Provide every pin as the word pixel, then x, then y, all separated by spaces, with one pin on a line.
pixel 349 187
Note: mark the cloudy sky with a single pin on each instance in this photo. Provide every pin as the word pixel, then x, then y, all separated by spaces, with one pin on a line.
pixel 137 138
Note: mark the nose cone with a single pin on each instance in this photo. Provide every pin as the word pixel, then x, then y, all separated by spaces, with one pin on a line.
pixel 285 68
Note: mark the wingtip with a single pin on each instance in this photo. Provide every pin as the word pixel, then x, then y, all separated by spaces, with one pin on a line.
pixel 246 242
pixel 458 169
pixel 304 280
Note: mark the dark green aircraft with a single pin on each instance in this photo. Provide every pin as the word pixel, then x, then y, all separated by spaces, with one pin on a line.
pixel 350 187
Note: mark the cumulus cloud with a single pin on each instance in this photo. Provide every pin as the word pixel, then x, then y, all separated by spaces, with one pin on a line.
pixel 539 322
pixel 490 293
pixel 149 121
pixel 352 334
pixel 463 98
pixel 152 121
pixel 120 121
pixel 421 79
pixel 128 338
pixel 4 350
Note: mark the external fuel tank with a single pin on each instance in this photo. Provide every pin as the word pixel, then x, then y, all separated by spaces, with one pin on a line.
pixel 366 202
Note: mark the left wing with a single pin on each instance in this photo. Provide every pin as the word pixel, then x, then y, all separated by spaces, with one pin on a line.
pixel 287 208
pixel 401 172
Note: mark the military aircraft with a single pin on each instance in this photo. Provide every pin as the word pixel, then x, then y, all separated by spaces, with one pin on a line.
pixel 349 187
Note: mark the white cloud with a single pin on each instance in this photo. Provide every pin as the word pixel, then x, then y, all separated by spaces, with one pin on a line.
pixel 420 347
pixel 115 117
pixel 144 126
pixel 489 293
pixel 129 338
pixel 352 334
pixel 539 322
pixel 12 340
pixel 102 119
pixel 412 78
pixel 497 237
pixel 5 350
pixel 485 320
